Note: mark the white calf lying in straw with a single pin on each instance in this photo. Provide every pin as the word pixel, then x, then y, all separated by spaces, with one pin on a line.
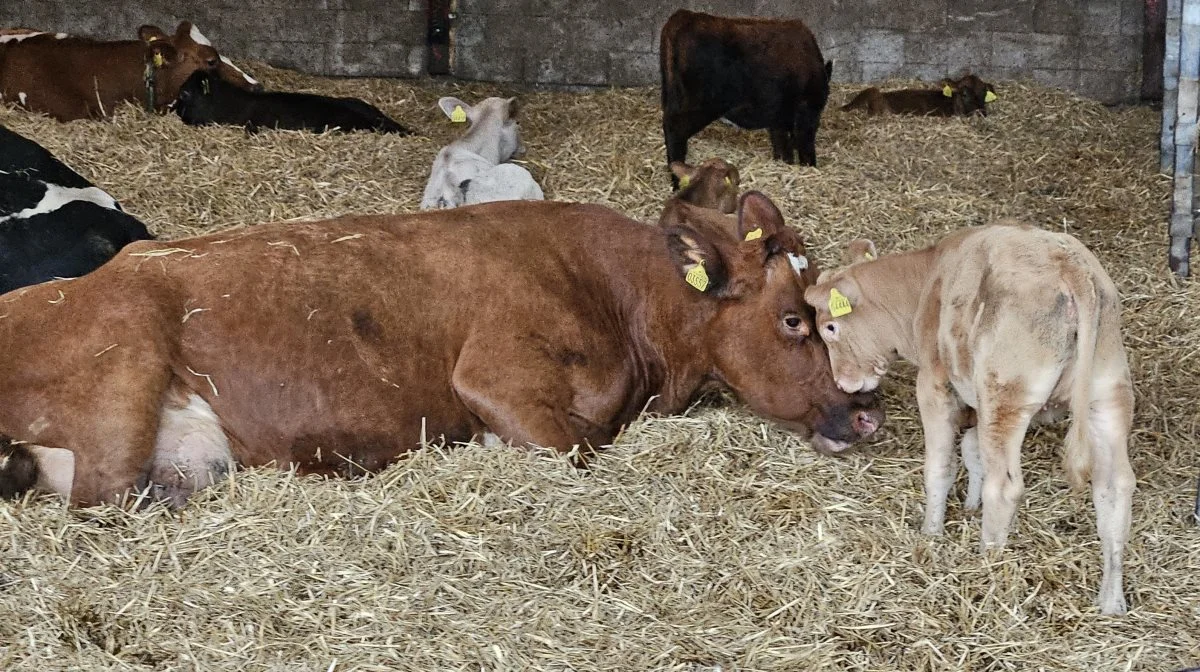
pixel 472 169
pixel 1013 322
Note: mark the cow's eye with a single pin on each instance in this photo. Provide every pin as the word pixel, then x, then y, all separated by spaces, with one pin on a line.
pixel 830 330
pixel 212 62
pixel 793 322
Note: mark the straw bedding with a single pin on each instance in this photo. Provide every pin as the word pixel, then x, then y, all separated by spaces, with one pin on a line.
pixel 706 541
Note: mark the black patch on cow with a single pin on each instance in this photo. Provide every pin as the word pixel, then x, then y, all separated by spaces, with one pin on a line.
pixel 206 99
pixel 19 154
pixel 18 468
pixel 365 325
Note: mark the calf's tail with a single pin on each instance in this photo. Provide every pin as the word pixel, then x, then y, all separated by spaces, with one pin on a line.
pixel 1077 460
pixel 18 468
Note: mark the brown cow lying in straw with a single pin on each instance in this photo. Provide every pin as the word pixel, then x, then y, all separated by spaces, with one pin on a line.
pixel 1013 322
pixel 962 97
pixel 711 184
pixel 336 346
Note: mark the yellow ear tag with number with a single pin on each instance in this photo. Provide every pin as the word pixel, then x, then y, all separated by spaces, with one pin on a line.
pixel 697 277
pixel 839 305
pixel 458 115
pixel 947 91
pixel 685 181
pixel 755 234
pixel 989 97
pixel 158 60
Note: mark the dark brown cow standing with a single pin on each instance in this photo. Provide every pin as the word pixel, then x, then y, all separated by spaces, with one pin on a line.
pixel 70 77
pixel 757 73
pixel 323 344
pixel 964 96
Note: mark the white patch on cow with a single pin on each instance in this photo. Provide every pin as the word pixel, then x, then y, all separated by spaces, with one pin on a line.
pixel 245 76
pixel 21 97
pixel 491 440
pixel 56 197
pixel 17 37
pixel 59 36
pixel 198 37
pixel 799 263
pixel 56 470
pixel 191 451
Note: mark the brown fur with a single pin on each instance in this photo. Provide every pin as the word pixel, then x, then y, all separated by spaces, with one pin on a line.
pixel 320 343
pixel 712 184
pixel 967 98
pixel 81 78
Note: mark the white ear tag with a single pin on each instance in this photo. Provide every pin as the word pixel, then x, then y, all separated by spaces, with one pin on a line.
pixel 798 263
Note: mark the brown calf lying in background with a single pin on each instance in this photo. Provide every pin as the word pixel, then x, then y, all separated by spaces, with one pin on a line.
pixel 1010 321
pixel 713 184
pixel 962 97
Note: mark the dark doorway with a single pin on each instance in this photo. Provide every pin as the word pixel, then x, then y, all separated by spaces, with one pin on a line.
pixel 1153 41
pixel 438 37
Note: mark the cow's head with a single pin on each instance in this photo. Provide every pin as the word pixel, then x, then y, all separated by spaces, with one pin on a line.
pixel 969 93
pixel 712 184
pixel 761 339
pixel 860 349
pixel 493 125
pixel 176 57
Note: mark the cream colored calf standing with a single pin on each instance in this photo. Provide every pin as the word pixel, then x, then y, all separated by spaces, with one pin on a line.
pixel 1016 323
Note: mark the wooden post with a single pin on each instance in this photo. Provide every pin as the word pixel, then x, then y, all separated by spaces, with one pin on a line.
pixel 1183 206
pixel 1166 149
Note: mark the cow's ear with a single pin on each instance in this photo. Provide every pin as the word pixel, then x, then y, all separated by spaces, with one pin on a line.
pixel 149 33
pixel 454 108
pixel 183 30
pixel 514 106
pixel 858 250
pixel 684 172
pixel 758 218
pixel 698 260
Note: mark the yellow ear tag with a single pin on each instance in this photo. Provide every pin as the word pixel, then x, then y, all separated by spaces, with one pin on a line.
pixel 697 277
pixel 869 256
pixel 459 115
pixel 947 91
pixel 158 60
pixel 685 181
pixel 755 234
pixel 989 97
pixel 204 87
pixel 839 305
pixel 728 181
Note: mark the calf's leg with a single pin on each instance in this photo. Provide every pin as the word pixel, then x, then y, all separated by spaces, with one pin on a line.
pixel 969 446
pixel 939 412
pixel 1112 487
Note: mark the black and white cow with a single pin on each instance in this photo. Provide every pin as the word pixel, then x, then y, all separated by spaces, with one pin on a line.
pixel 53 222
pixel 206 99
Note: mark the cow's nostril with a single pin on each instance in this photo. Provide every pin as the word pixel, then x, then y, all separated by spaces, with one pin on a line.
pixel 865 423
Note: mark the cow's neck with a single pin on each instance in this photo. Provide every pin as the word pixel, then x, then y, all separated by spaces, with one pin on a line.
pixel 483 138
pixel 897 281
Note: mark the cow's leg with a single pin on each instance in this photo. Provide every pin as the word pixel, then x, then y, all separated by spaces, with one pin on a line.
pixel 530 408
pixel 1006 407
pixel 678 128
pixel 1112 486
pixel 780 148
pixel 969 446
pixel 939 414
pixel 804 134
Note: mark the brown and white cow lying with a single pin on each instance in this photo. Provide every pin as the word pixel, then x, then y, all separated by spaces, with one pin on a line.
pixel 965 96
pixel 1013 322
pixel 712 183
pixel 69 77
pixel 337 345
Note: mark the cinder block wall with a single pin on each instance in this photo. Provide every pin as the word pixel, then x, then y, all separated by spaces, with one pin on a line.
pixel 1089 46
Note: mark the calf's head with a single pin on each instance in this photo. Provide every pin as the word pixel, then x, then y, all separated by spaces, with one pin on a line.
pixel 712 184
pixel 848 319
pixel 176 57
pixel 493 132
pixel 761 338
pixel 197 98
pixel 969 94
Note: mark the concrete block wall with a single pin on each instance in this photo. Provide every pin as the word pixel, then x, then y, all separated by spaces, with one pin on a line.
pixel 1089 46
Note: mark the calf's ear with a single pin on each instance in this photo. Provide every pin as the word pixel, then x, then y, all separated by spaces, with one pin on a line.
pixel 184 29
pixel 698 260
pixel 514 106
pixel 684 172
pixel 150 33
pixel 858 250
pixel 161 53
pixel 454 108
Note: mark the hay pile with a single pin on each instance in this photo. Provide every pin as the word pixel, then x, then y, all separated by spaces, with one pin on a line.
pixel 710 541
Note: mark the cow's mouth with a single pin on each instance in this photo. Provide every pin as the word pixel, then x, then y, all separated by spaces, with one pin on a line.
pixel 827 446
